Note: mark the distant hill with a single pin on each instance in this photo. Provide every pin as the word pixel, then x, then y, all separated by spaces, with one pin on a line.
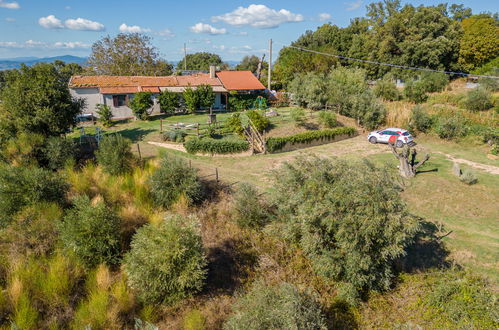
pixel 15 63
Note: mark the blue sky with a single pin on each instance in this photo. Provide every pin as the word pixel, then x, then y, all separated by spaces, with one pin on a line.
pixel 231 29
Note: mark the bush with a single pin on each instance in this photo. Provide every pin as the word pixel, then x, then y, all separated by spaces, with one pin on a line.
pixel 105 114
pixel 489 84
pixel 166 262
pixel 261 123
pixel 478 99
pixel 23 186
pixel 114 154
pixel 174 178
pixel 327 119
pixel 174 136
pixel 205 95
pixel 434 81
pixel 248 209
pixel 140 104
pixel 241 102
pixel 420 120
pixel 387 90
pixel 168 102
pixel 91 232
pixel 368 111
pixel 450 127
pixel 298 116
pixel 415 91
pixel 277 143
pixel 468 177
pixel 216 146
pixel 191 99
pixel 276 307
pixel 234 124
pixel 58 152
pixel 336 211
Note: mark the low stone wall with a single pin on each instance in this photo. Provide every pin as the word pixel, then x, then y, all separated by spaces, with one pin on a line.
pixel 292 147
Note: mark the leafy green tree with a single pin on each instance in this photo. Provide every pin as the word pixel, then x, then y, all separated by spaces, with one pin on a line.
pixel 480 41
pixel 91 232
pixel 58 152
pixel 200 61
pixel 127 54
pixel 37 100
pixel 140 104
pixel 115 154
pixel 166 263
pixel 281 306
pixel 415 91
pixel 191 99
pixel 261 122
pixel 337 212
pixel 67 70
pixel 386 89
pixel 168 102
pixel 250 63
pixel 478 99
pixel 206 96
pixel 105 114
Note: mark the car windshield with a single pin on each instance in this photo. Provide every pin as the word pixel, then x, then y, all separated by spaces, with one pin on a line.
pixel 406 134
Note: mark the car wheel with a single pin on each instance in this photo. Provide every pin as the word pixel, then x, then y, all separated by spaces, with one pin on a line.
pixel 373 140
pixel 399 144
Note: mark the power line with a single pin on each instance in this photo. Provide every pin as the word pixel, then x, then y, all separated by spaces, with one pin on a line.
pixel 388 64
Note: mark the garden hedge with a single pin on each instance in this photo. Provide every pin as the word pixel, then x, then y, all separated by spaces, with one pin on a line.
pixel 277 143
pixel 216 146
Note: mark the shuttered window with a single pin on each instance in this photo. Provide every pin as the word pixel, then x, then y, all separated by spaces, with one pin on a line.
pixel 120 100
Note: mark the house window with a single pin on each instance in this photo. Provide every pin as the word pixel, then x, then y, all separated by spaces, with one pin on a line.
pixel 120 100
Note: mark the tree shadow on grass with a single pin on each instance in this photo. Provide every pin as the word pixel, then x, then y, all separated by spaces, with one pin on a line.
pixel 136 134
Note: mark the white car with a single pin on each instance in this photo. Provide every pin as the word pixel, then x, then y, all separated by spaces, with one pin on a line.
pixel 397 136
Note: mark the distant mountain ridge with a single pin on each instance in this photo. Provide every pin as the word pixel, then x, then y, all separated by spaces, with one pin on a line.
pixel 15 63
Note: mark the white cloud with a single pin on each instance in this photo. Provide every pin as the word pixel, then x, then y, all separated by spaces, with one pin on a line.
pixel 9 5
pixel 83 24
pixel 10 19
pixel 32 44
pixel 354 5
pixel 324 16
pixel 166 34
pixel 133 29
pixel 221 47
pixel 258 16
pixel 207 28
pixel 67 7
pixel 50 22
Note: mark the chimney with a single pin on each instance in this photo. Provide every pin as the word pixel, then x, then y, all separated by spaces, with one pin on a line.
pixel 212 71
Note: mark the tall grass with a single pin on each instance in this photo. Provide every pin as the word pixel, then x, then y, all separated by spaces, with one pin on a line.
pixel 398 113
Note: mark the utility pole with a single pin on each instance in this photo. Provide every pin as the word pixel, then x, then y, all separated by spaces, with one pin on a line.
pixel 270 64
pixel 185 56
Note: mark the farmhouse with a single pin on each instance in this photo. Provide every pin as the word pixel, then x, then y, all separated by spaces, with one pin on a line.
pixel 117 91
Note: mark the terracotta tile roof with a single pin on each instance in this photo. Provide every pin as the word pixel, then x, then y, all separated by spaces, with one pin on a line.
pixel 152 89
pixel 116 81
pixel 198 79
pixel 239 80
pixel 118 90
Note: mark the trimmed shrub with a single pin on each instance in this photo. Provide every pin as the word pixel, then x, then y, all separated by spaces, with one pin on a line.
pixel 276 307
pixel 234 124
pixel 450 127
pixel 387 90
pixel 166 263
pixel 248 209
pixel 58 152
pixel 216 146
pixel 174 178
pixel 114 154
pixel 337 212
pixel 415 91
pixel 168 102
pixel 478 99
pixel 23 186
pixel 140 104
pixel 327 119
pixel 91 232
pixel 277 143
pixel 261 123
pixel 298 116
pixel 420 120
pixel 105 114
pixel 468 177
pixel 174 136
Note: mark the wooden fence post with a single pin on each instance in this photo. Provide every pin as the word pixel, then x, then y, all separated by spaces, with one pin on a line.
pixel 138 149
pixel 198 129
pixel 216 173
pixel 161 125
pixel 190 163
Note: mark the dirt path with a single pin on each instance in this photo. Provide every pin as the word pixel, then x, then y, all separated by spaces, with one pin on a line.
pixel 487 168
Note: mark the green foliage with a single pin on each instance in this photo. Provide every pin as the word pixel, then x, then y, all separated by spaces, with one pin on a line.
pixel 127 54
pixel 114 154
pixel 462 300
pixel 241 102
pixel 250 63
pixel 191 99
pixel 478 99
pixel 234 124
pixel 489 84
pixel 200 61
pixel 140 104
pixel 434 82
pixel 23 186
pixel 261 122
pixel 205 95
pixel 386 89
pixel 174 178
pixel 194 320
pixel 490 67
pixel 37 100
pixel 369 112
pixel 298 116
pixel 58 152
pixel 450 127
pixel 168 102
pixel 337 212
pixel 92 312
pixel 420 120
pixel 208 145
pixel 415 91
pixel 276 307
pixel 105 114
pixel 91 232
pixel 310 90
pixel 174 136
pixel 468 177
pixel 248 209
pixel 166 263
pixel 327 119
pixel 275 144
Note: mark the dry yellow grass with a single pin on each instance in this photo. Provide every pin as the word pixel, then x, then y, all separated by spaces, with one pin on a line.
pixel 398 113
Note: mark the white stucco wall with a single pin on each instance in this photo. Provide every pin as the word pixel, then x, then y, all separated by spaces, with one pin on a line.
pixel 91 96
